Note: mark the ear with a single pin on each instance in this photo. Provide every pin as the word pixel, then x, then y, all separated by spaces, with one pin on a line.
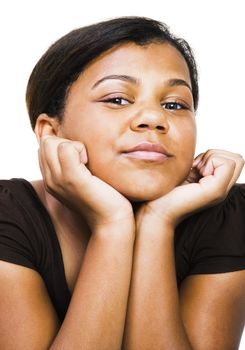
pixel 46 125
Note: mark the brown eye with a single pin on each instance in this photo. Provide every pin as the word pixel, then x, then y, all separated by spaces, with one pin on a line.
pixel 117 101
pixel 174 106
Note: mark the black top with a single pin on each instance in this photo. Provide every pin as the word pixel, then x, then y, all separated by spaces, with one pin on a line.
pixel 211 241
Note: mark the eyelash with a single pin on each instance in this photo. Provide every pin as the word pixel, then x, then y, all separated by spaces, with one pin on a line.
pixel 180 106
pixel 113 99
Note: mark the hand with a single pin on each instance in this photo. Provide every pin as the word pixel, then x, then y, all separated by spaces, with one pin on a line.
pixel 67 178
pixel 211 177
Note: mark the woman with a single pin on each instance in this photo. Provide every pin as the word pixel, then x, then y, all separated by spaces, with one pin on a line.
pixel 127 242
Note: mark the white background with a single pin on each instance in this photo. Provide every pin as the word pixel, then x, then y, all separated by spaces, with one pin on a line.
pixel 215 30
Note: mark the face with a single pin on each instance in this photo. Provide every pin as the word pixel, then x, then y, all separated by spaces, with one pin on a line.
pixel 133 109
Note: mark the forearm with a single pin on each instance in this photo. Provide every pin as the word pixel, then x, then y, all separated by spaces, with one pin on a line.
pixel 153 316
pixel 96 315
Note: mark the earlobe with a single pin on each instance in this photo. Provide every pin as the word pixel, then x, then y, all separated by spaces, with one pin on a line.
pixel 46 126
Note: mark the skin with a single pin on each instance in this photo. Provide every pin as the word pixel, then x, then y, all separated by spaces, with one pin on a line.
pixel 112 220
pixel 114 128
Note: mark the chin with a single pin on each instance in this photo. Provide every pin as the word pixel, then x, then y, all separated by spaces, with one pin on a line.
pixel 146 193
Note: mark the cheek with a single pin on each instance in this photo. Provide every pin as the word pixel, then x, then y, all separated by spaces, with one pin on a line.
pixel 101 152
pixel 186 144
pixel 187 147
pixel 186 138
pixel 86 128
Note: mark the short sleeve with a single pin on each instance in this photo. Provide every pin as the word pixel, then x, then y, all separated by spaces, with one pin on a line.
pixel 218 244
pixel 16 245
pixel 28 238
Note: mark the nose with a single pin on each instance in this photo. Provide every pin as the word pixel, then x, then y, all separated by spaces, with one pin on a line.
pixel 150 119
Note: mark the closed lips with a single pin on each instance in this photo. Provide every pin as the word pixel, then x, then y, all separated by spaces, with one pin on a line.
pixel 148 151
pixel 148 147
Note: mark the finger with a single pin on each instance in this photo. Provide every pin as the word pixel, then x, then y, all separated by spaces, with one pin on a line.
pixel 194 176
pixel 204 155
pixel 69 155
pixel 219 181
pixel 218 152
pixel 81 149
pixel 46 173
pixel 239 164
pixel 206 170
pixel 48 154
pixel 200 162
pixel 197 159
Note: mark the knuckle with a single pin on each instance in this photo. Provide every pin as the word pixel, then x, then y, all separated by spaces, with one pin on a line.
pixel 53 185
pixel 240 162
pixel 62 146
pixel 48 185
pixel 238 155
pixel 241 159
pixel 46 141
pixel 66 178
pixel 210 151
pixel 231 162
pixel 78 143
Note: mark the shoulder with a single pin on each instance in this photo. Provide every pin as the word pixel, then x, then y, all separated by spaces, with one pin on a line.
pixel 22 223
pixel 214 239
pixel 223 217
pixel 19 201
pixel 226 216
pixel 13 198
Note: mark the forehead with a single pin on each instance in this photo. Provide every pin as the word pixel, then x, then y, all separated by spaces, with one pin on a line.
pixel 132 59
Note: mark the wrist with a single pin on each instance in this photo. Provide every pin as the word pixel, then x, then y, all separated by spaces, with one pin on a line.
pixel 123 228
pixel 155 226
pixel 146 216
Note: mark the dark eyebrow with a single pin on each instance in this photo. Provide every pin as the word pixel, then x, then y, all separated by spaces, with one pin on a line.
pixel 116 77
pixel 128 78
pixel 178 82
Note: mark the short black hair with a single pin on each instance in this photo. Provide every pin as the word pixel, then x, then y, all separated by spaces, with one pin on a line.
pixel 63 62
